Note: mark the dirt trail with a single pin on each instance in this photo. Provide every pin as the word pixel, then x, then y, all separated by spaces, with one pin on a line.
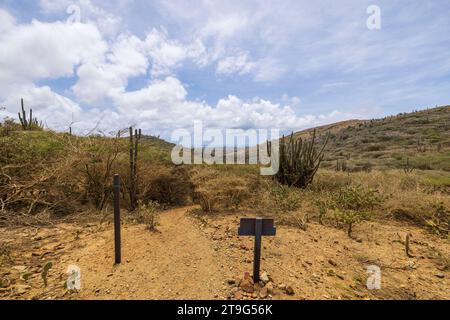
pixel 196 258
pixel 176 262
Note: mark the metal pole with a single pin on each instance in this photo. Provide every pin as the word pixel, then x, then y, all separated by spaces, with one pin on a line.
pixel 257 253
pixel 116 189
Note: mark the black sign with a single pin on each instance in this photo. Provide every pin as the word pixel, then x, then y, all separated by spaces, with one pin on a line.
pixel 248 227
pixel 257 227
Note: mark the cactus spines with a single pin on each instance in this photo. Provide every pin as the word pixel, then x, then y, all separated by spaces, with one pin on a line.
pixel 299 160
pixel 31 123
pixel 134 143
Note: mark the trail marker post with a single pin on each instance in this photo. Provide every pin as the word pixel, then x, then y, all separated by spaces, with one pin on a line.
pixel 257 227
pixel 117 246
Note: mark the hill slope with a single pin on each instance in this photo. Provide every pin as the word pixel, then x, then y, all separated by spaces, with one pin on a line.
pixel 423 137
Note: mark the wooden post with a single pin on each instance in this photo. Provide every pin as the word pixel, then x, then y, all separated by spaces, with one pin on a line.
pixel 257 227
pixel 117 245
pixel 257 251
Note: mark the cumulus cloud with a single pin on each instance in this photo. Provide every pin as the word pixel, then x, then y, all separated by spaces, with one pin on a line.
pixel 166 54
pixel 237 64
pixel 39 50
pixel 84 11
pixel 163 106
pixel 107 77
pixel 54 110
pixel 101 63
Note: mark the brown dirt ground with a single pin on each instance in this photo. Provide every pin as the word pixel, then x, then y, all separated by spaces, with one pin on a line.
pixel 193 257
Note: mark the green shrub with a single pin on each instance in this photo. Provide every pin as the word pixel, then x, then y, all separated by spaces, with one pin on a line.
pixel 148 214
pixel 439 223
pixel 354 204
pixel 285 199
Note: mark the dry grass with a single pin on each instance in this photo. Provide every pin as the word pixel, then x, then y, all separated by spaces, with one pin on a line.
pixel 46 175
pixel 410 197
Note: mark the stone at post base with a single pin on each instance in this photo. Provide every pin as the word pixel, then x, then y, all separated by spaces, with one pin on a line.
pixel 246 283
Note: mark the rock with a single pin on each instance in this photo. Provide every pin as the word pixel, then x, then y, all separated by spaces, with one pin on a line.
pixel 20 268
pixel 246 284
pixel 332 262
pixel 257 286
pixel 269 287
pixel 282 286
pixel 442 268
pixel 264 277
pixel 254 295
pixel 359 294
pixel 234 290
pixel 289 290
pixel 231 282
pixel 263 293
pixel 440 275
pixel 21 288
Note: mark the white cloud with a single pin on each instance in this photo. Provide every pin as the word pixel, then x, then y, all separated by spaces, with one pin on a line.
pixel 322 50
pixel 163 106
pixel 108 77
pixel 39 50
pixel 237 64
pixel 7 21
pixel 107 23
pixel 54 110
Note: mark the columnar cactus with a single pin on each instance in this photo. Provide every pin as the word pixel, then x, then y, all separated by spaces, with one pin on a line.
pixel 31 123
pixel 299 160
pixel 134 143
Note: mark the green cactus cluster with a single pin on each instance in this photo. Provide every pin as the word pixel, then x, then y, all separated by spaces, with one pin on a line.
pixel 299 160
pixel 29 123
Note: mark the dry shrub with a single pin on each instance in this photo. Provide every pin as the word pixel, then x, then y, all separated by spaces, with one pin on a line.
pixel 9 126
pixel 165 184
pixel 405 197
pixel 329 181
pixel 439 222
pixel 283 198
pixel 95 158
pixel 45 173
pixel 217 191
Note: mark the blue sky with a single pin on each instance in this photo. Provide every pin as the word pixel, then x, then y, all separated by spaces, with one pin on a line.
pixel 251 64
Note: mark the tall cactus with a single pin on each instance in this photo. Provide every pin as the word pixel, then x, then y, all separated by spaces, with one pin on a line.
pixel 31 123
pixel 299 160
pixel 134 143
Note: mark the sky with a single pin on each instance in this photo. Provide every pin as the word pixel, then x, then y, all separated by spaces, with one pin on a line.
pixel 100 66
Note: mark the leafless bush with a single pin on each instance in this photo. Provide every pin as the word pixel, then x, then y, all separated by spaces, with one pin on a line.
pixel 166 184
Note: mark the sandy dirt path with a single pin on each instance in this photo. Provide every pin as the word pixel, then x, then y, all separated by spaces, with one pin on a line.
pixel 178 262
pixel 196 256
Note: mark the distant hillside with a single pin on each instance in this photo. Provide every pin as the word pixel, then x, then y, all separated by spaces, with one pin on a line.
pixel 423 137
pixel 332 128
